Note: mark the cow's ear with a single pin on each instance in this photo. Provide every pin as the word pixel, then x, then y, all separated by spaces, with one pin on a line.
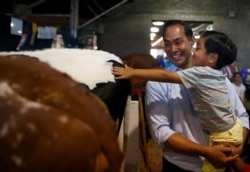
pixel 116 63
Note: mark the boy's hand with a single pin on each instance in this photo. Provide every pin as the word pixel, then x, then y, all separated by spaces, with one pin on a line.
pixel 122 73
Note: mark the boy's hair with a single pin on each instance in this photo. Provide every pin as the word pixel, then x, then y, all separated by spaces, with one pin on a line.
pixel 236 73
pixel 187 28
pixel 220 43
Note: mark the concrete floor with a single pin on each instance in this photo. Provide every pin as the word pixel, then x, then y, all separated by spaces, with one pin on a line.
pixel 154 158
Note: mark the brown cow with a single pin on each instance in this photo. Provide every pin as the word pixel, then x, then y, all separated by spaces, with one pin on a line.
pixel 35 106
pixel 139 61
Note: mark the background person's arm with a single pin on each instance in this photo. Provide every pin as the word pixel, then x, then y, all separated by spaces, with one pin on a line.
pixel 239 149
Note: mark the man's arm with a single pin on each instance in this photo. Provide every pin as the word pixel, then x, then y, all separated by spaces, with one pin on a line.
pixel 244 101
pixel 215 154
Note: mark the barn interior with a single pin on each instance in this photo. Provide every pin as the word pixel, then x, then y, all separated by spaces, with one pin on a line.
pixel 75 16
pixel 122 28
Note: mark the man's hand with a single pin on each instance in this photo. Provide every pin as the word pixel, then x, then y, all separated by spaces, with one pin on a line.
pixel 222 155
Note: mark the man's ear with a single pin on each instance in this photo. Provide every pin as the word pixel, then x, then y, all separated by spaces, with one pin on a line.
pixel 193 41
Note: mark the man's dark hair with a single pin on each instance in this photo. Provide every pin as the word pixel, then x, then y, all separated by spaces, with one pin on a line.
pixel 187 28
pixel 220 43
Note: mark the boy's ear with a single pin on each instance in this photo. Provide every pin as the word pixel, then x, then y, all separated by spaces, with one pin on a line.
pixel 213 57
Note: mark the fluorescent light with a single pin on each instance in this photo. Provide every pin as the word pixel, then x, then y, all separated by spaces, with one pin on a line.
pixel 197 36
pixel 154 29
pixel 158 23
pixel 152 34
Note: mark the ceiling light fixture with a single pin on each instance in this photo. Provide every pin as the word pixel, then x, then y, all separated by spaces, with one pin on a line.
pixel 154 29
pixel 158 23
pixel 152 34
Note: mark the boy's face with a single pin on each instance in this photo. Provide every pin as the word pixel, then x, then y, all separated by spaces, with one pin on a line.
pixel 237 79
pixel 200 57
pixel 177 46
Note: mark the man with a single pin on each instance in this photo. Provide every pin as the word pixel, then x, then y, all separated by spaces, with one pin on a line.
pixel 173 123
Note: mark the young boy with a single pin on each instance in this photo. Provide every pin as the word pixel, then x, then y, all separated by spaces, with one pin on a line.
pixel 207 87
pixel 239 87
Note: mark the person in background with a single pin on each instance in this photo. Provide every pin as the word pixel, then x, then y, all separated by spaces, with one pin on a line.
pixel 229 70
pixel 173 123
pixel 58 41
pixel 21 42
pixel 239 87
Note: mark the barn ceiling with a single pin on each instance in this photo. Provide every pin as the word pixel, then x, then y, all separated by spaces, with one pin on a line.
pixel 87 8
pixel 57 12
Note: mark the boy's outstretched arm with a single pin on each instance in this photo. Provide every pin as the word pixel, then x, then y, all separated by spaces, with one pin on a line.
pixel 160 75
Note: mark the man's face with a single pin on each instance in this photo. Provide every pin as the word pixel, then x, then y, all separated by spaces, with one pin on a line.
pixel 177 46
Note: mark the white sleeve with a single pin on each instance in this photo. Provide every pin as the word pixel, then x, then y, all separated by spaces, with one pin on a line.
pixel 237 105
